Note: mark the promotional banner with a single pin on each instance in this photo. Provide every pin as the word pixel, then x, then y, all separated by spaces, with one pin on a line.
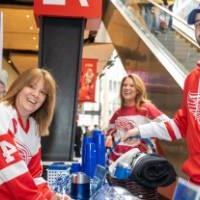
pixel 69 8
pixel 88 80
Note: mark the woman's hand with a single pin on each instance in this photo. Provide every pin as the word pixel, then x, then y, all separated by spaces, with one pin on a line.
pixel 58 196
pixel 133 142
pixel 130 133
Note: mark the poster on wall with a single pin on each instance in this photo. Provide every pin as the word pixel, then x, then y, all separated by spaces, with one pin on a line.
pixel 88 80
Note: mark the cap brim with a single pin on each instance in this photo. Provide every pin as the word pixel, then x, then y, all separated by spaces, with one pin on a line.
pixel 192 16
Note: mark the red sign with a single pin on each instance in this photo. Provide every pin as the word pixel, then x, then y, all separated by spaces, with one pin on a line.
pixel 69 8
pixel 88 80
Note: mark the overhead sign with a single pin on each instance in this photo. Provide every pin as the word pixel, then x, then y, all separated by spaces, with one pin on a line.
pixel 89 9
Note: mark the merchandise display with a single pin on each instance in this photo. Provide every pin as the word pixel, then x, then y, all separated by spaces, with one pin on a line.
pixel 148 172
pixel 134 175
pixel 93 152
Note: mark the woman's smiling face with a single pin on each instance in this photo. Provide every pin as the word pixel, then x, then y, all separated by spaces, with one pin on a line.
pixel 31 98
pixel 129 91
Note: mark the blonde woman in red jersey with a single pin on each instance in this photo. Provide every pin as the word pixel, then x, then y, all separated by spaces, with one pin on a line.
pixel 136 109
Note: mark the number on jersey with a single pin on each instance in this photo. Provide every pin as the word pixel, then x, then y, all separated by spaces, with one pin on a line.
pixel 8 150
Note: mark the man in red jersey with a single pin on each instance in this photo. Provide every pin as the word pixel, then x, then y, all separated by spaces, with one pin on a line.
pixel 186 122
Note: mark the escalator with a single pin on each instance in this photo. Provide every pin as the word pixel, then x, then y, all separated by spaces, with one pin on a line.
pixel 162 58
pixel 161 55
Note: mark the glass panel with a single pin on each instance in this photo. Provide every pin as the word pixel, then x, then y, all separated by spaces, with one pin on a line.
pixel 160 25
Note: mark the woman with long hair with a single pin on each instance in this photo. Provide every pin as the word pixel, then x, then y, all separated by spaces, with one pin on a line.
pixel 136 109
pixel 26 112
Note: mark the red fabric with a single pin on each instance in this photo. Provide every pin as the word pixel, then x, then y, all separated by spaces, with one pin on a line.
pixel 121 149
pixel 187 120
pixel 127 118
pixel 170 131
pixel 71 8
pixel 21 186
pixel 35 166
pixel 20 159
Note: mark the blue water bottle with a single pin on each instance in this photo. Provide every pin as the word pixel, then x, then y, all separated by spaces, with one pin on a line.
pixel 80 186
pixel 90 159
pixel 99 140
pixel 86 140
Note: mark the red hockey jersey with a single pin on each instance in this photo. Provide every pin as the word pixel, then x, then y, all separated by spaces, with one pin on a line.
pixel 185 124
pixel 20 158
pixel 127 118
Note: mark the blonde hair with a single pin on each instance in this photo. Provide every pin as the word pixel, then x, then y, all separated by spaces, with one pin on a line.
pixel 141 96
pixel 44 114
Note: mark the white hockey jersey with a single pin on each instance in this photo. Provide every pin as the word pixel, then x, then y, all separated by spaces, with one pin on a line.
pixel 20 158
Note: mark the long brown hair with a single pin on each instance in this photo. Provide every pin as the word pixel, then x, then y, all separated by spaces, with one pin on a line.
pixel 44 114
pixel 141 96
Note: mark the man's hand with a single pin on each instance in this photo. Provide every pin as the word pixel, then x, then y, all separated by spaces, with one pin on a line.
pixel 58 196
pixel 130 133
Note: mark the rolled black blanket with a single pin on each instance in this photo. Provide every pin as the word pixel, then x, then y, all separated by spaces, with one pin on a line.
pixel 151 171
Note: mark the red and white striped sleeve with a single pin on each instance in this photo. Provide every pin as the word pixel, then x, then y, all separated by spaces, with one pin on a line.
pixel 15 180
pixel 169 129
pixel 111 127
pixel 172 129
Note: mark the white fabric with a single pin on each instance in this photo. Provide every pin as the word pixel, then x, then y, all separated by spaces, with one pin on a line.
pixel 12 171
pixel 27 143
pixel 39 180
pixel 154 129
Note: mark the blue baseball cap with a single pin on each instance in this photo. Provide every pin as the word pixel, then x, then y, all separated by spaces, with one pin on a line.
pixel 192 15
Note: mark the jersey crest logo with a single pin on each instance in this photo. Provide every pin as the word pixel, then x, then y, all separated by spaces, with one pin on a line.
pixel 125 124
pixel 193 101
pixel 24 152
